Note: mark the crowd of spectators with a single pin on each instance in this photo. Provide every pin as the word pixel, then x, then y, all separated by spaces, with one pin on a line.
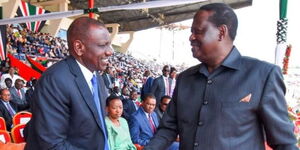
pixel 23 41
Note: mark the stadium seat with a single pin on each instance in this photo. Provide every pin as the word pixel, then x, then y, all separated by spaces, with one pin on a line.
pixel 12 146
pixel 2 124
pixel 17 133
pixel 4 136
pixel 21 117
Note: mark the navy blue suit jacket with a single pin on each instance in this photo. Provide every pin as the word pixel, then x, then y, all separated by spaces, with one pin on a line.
pixel 147 86
pixel 140 129
pixel 158 88
pixel 64 113
pixel 128 108
pixel 5 113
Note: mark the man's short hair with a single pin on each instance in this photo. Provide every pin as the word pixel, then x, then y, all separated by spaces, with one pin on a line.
pixel 166 67
pixel 7 79
pixel 148 95
pixel 79 27
pixel 223 14
pixel 165 96
pixel 1 90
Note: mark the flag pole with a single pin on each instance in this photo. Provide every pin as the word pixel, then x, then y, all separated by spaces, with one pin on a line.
pixel 281 33
pixel 91 5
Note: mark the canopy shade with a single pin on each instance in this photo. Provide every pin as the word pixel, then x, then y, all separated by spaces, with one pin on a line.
pixel 135 20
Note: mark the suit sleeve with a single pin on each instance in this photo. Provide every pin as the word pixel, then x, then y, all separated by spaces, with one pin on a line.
pixel 167 130
pixel 274 115
pixel 154 86
pixel 52 110
pixel 125 109
pixel 135 132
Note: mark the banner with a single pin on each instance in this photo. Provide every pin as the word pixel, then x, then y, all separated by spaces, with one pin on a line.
pixel 25 71
pixel 35 65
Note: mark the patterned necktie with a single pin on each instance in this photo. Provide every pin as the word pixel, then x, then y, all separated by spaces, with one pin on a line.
pixel 10 110
pixel 96 97
pixel 151 124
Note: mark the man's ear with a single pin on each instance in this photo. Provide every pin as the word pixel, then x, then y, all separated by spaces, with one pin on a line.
pixel 223 32
pixel 79 47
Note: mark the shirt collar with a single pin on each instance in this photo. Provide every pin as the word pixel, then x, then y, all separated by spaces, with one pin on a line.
pixel 88 75
pixel 147 114
pixel 232 61
pixel 4 102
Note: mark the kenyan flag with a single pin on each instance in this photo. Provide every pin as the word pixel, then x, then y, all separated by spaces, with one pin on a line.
pixel 26 9
pixel 35 65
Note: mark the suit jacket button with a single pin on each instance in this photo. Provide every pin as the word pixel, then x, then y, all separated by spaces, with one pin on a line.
pixel 200 123
pixel 196 144
pixel 205 102
pixel 209 81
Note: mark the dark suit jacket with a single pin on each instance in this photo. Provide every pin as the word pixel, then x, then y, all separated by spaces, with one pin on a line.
pixel 158 88
pixel 228 109
pixel 140 129
pixel 146 88
pixel 29 95
pixel 64 113
pixel 5 113
pixel 128 108
pixel 106 78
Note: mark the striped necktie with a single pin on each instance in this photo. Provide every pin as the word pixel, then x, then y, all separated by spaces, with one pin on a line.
pixel 151 124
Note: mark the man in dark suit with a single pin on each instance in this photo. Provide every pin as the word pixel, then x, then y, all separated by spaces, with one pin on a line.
pixel 30 90
pixel 228 102
pixel 7 108
pixel 69 99
pixel 130 105
pixel 108 78
pixel 146 88
pixel 18 94
pixel 165 100
pixel 161 85
pixel 144 122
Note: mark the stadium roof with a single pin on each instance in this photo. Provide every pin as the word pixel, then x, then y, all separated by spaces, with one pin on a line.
pixel 135 20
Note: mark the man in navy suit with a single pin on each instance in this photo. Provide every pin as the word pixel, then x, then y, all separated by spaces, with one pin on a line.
pixel 146 88
pixel 7 108
pixel 228 102
pixel 69 99
pixel 161 85
pixel 130 105
pixel 144 122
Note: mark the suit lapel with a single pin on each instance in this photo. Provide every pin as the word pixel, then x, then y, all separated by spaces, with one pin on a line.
pixel 4 109
pixel 145 119
pixel 103 94
pixel 155 119
pixel 132 106
pixel 84 89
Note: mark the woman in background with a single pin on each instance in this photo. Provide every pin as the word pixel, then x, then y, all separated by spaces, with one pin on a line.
pixel 117 127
